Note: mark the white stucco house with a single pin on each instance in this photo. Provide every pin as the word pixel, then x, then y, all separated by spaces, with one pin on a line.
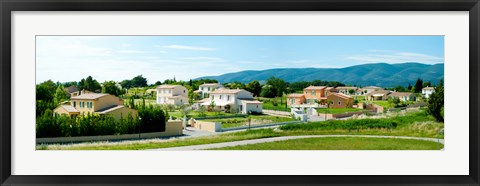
pixel 172 95
pixel 427 91
pixel 238 100
pixel 205 89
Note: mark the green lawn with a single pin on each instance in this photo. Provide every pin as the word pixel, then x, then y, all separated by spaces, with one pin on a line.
pixel 243 121
pixel 416 124
pixel 196 114
pixel 359 98
pixel 342 143
pixel 147 101
pixel 338 110
pixel 384 104
pixel 227 137
pixel 270 106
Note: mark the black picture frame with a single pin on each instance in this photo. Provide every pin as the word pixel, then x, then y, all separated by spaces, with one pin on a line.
pixel 7 6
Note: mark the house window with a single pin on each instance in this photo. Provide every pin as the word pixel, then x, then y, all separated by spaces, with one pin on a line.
pixel 89 104
pixel 220 97
pixel 326 93
pixel 75 104
pixel 213 97
pixel 169 91
pixel 228 97
pixel 208 88
pixel 183 91
pixel 257 106
pixel 313 92
pixel 164 91
pixel 339 102
pixel 82 104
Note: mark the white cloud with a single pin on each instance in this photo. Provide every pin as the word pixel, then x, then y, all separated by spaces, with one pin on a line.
pixel 204 59
pixel 132 51
pixel 185 47
pixel 375 56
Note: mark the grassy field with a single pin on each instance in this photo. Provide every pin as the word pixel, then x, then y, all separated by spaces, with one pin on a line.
pixel 270 106
pixel 243 121
pixel 384 104
pixel 342 143
pixel 227 137
pixel 416 124
pixel 147 101
pixel 196 114
pixel 338 110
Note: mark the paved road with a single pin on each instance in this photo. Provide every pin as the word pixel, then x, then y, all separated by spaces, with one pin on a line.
pixel 264 140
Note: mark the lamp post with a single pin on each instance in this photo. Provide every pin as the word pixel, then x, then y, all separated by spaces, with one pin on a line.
pixel 249 119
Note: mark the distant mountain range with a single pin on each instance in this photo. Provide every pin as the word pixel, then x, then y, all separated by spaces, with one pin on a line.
pixel 378 74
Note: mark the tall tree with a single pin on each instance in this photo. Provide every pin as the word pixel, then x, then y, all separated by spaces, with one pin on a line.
pixel 436 102
pixel 139 81
pixel 279 86
pixel 45 91
pixel 254 87
pixel 89 84
pixel 60 94
pixel 110 87
pixel 418 85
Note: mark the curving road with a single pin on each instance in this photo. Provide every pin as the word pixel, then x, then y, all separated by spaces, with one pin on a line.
pixel 265 140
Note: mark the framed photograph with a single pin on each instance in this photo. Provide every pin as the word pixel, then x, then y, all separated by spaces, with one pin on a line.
pixel 239 92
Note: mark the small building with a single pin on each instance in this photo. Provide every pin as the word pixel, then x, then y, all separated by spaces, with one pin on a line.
pixel 236 100
pixel 403 96
pixel 295 99
pixel 95 103
pixel 340 100
pixel 377 95
pixel 370 89
pixel 427 91
pixel 77 93
pixel 348 90
pixel 71 89
pixel 172 95
pixel 205 89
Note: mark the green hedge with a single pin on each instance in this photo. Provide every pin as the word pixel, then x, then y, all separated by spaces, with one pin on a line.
pixel 356 124
pixel 151 119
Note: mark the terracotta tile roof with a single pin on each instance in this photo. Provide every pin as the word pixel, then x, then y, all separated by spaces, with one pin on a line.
pixel 295 95
pixel 109 109
pixel 372 87
pixel 251 101
pixel 227 91
pixel 204 100
pixel 378 92
pixel 168 86
pixel 69 108
pixel 341 95
pixel 347 88
pixel 71 89
pixel 315 88
pixel 210 84
pixel 400 94
pixel 89 96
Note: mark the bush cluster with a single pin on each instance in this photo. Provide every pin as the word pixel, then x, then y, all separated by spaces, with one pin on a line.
pixel 151 119
pixel 345 125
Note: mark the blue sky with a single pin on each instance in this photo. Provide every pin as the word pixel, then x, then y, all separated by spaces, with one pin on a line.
pixel 71 58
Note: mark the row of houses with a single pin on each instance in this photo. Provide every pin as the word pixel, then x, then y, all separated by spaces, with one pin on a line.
pixel 213 94
pixel 340 97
